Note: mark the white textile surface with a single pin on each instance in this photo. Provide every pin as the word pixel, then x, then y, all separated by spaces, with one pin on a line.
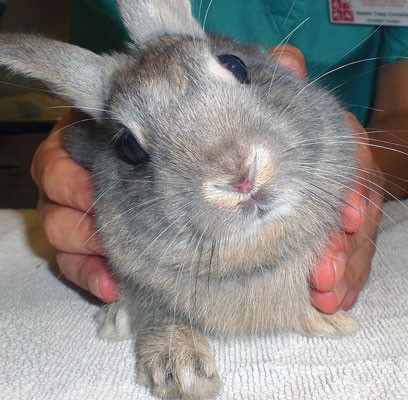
pixel 49 348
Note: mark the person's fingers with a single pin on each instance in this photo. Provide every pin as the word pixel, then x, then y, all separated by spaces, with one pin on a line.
pixel 337 285
pixel 60 178
pixel 89 273
pixel 362 247
pixel 353 210
pixel 356 283
pixel 330 266
pixel 289 57
pixel 64 205
pixel 329 302
pixel 69 230
pixel 343 270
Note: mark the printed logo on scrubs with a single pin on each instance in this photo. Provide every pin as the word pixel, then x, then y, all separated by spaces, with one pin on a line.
pixel 342 11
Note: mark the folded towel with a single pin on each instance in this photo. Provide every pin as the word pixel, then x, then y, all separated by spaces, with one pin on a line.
pixel 49 348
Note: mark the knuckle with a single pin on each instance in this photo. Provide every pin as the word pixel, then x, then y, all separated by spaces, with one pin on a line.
pixel 83 273
pixel 69 267
pixel 352 119
pixel 62 263
pixel 41 205
pixel 36 163
pixel 290 57
pixel 50 219
pixel 377 214
pixel 367 257
pixel 77 197
pixel 48 172
pixel 297 53
pixel 59 257
pixel 288 49
pixel 86 231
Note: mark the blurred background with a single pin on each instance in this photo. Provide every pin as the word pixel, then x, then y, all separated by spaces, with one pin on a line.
pixel 27 110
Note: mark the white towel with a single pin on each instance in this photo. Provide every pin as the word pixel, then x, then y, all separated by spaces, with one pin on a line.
pixel 49 348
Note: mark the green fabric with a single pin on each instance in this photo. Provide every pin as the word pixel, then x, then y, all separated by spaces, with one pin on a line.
pixel 95 24
pixel 3 7
pixel 303 23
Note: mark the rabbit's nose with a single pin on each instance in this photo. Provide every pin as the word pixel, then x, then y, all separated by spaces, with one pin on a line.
pixel 247 183
pixel 245 186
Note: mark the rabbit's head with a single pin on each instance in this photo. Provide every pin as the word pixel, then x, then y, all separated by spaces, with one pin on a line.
pixel 223 145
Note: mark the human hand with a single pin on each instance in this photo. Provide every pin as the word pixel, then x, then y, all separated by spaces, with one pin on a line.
pixel 342 271
pixel 65 207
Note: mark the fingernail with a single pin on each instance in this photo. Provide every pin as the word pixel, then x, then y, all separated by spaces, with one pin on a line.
pixel 93 284
pixel 349 299
pixel 352 213
pixel 108 287
pixel 340 290
pixel 323 276
pixel 339 265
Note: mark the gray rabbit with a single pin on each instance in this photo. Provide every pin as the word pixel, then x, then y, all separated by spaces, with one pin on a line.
pixel 218 178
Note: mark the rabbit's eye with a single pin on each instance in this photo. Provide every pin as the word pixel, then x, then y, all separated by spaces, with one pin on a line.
pixel 131 148
pixel 236 66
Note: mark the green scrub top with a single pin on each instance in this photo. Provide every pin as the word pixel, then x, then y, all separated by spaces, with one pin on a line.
pixel 3 7
pixel 352 52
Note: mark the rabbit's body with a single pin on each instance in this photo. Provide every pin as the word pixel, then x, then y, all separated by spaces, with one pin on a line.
pixel 216 230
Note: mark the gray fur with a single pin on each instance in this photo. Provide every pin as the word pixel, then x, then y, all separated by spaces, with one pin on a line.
pixel 147 19
pixel 61 66
pixel 192 256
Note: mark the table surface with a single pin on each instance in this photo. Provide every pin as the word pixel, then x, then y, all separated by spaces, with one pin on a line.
pixel 49 348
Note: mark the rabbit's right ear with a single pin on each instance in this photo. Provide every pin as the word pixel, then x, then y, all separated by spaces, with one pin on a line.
pixel 72 73
pixel 147 19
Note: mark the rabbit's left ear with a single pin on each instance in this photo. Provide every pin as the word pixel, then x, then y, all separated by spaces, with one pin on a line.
pixel 147 19
pixel 72 73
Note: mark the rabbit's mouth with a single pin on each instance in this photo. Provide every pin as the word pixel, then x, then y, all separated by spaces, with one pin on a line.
pixel 255 203
pixel 258 204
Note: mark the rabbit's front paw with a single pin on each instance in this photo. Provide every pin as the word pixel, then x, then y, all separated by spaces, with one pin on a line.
pixel 337 325
pixel 176 362
pixel 116 323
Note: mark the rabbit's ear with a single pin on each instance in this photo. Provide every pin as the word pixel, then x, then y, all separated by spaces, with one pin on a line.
pixel 146 19
pixel 72 73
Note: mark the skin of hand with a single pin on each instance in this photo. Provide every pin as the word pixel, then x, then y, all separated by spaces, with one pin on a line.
pixel 344 268
pixel 385 149
pixel 65 207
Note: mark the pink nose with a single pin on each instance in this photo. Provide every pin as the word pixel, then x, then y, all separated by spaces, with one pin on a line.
pixel 245 186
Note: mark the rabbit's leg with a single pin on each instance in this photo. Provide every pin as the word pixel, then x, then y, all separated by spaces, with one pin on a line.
pixel 175 361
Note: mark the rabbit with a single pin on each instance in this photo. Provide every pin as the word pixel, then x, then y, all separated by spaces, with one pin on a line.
pixel 218 181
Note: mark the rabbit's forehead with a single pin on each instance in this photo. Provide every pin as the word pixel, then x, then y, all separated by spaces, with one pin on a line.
pixel 152 85
pixel 174 62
